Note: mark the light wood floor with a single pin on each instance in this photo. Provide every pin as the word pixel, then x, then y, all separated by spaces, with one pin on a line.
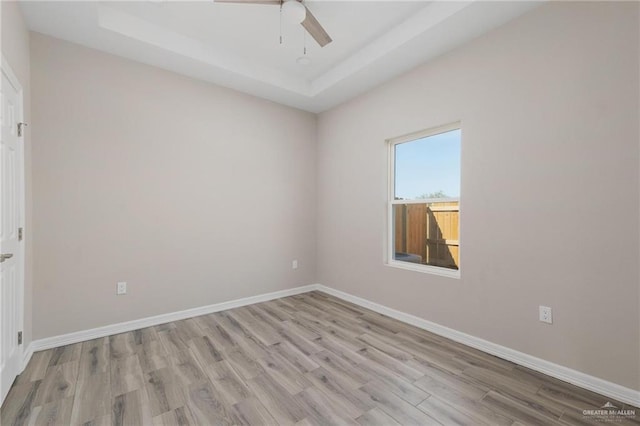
pixel 307 359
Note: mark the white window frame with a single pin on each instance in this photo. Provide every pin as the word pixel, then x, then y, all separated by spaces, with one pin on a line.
pixel 391 201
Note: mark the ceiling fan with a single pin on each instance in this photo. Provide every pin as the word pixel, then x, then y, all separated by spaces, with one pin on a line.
pixel 300 11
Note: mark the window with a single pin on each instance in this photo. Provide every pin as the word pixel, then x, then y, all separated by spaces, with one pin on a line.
pixel 424 201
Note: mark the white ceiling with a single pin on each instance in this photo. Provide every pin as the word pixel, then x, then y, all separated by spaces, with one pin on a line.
pixel 237 45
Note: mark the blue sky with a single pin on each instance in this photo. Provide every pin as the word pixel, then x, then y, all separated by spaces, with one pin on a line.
pixel 428 165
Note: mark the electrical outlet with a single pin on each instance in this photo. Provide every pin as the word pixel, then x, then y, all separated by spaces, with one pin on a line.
pixel 546 314
pixel 294 264
pixel 121 288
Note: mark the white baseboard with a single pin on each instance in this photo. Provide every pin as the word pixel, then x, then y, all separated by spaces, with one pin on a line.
pixel 123 327
pixel 26 356
pixel 603 387
pixel 595 384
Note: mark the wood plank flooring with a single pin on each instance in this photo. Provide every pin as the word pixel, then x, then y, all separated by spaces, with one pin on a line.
pixel 309 359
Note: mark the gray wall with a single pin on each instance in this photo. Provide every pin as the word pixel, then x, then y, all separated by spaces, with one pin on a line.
pixel 192 193
pixel 15 49
pixel 549 110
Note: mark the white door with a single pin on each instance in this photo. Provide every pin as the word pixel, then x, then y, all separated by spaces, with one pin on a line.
pixel 11 216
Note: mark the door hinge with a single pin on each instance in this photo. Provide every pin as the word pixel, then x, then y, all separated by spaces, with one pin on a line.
pixel 21 127
pixel 19 337
pixel 20 232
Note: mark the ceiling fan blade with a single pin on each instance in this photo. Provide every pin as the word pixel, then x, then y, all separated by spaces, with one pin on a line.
pixel 250 1
pixel 314 28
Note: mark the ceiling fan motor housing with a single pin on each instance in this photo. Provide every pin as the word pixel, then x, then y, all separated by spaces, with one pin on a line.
pixel 294 10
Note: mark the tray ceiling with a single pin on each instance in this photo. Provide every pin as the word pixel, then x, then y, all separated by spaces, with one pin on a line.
pixel 237 45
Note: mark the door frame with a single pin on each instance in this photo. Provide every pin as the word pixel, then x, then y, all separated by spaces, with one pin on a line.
pixel 13 79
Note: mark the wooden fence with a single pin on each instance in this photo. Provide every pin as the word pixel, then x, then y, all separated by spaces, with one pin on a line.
pixel 430 231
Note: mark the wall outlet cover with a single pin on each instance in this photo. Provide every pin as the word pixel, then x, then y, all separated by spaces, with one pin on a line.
pixel 546 314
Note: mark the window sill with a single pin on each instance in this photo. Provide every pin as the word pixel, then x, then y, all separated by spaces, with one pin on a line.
pixel 425 269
